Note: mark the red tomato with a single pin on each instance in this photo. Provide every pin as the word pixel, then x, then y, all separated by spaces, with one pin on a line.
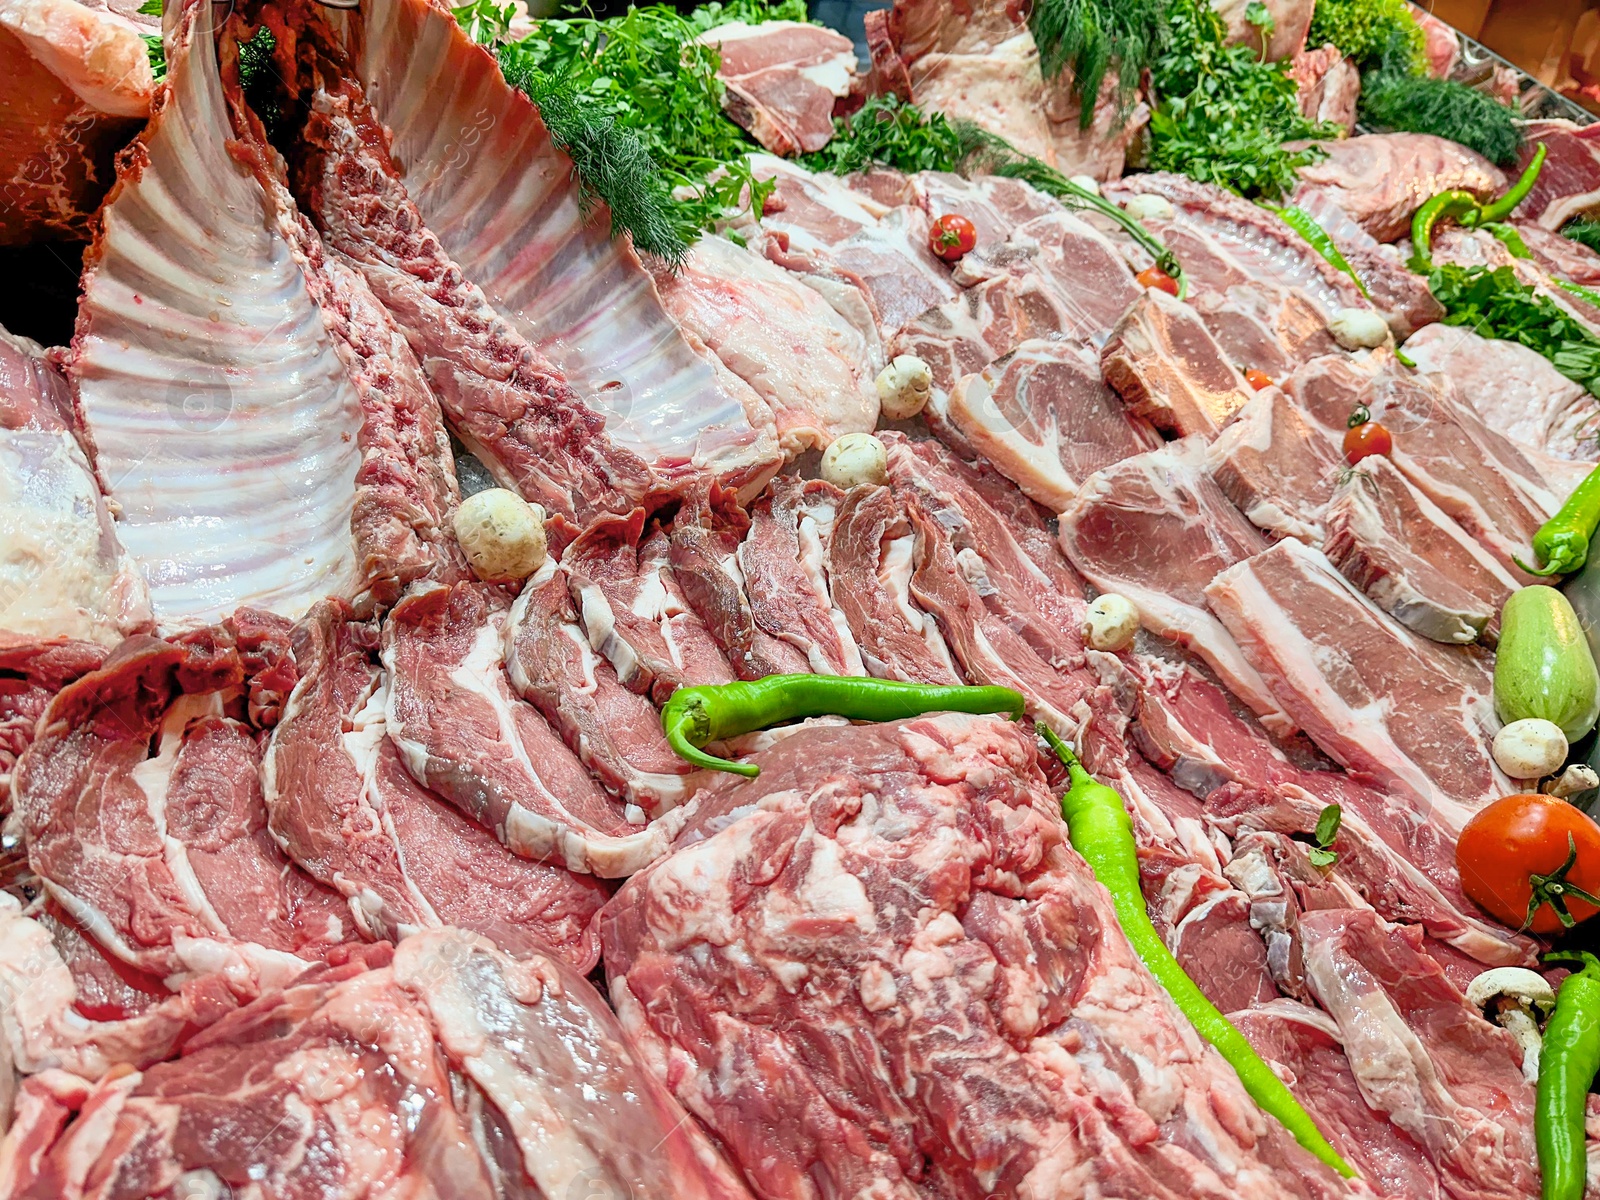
pixel 1155 277
pixel 1364 440
pixel 1258 379
pixel 1519 841
pixel 951 237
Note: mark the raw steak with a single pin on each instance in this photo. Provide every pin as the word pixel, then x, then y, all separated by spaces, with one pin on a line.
pixel 1340 668
pixel 1156 529
pixel 1329 86
pixel 1046 419
pixel 1412 560
pixel 32 672
pixel 1263 326
pixel 1381 179
pixel 345 808
pixel 1169 370
pixel 782 79
pixel 1277 470
pixel 475 1076
pixel 1569 184
pixel 949 893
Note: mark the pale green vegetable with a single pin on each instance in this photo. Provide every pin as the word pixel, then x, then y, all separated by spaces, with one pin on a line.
pixel 1543 667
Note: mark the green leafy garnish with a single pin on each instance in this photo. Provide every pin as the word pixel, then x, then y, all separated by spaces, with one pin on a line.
pixel 1393 97
pixel 1323 855
pixel 889 132
pixel 751 12
pixel 1093 37
pixel 1496 304
pixel 1583 231
pixel 158 55
pixel 150 8
pixel 486 22
pixel 1365 29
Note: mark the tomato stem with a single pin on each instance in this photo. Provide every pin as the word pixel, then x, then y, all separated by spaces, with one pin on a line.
pixel 1554 888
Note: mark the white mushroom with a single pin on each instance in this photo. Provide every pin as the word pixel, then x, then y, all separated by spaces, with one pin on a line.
pixel 1530 748
pixel 1087 182
pixel 1112 622
pixel 1149 207
pixel 1517 1000
pixel 1575 779
pixel 855 458
pixel 904 386
pixel 502 534
pixel 1359 329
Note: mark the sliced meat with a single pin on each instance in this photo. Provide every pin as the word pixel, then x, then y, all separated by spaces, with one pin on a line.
pixel 782 79
pixel 1278 471
pixel 31 673
pixel 1569 184
pixel 1169 370
pixel 1156 529
pixel 1046 419
pixel 1329 86
pixel 1411 559
pixel 1381 179
pixel 1263 326
pixel 1341 668
pixel 1086 270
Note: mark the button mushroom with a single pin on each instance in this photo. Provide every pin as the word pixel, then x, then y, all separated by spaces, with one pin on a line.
pixel 1148 207
pixel 1530 748
pixel 855 458
pixel 904 386
pixel 1574 781
pixel 502 534
pixel 1358 329
pixel 1111 623
pixel 1517 1000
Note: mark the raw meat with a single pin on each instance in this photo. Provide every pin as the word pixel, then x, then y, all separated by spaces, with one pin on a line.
pixel 1561 256
pixel 1264 327
pixel 463 733
pixel 63 574
pixel 546 261
pixel 1284 38
pixel 1569 184
pixel 251 462
pixel 1381 179
pixel 473 1076
pixel 1329 86
pixel 929 858
pixel 782 79
pixel 1046 419
pixel 1169 370
pixel 784 563
pixel 1443 43
pixel 1156 529
pixel 1412 560
pixel 142 810
pixel 32 671
pixel 77 87
pixel 1344 673
pixel 1514 389
pixel 1277 470
pixel 1090 277
pixel 808 365
pixel 345 809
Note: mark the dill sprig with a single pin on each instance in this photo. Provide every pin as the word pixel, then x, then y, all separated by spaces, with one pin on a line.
pixel 1392 97
pixel 1093 37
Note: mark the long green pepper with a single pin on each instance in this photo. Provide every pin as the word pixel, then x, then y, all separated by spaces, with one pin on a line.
pixel 1567 1065
pixel 1562 543
pixel 1309 228
pixel 1466 210
pixel 694 716
pixel 1102 832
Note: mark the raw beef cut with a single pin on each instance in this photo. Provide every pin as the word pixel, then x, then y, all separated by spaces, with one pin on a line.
pixel 464 734
pixel 1264 327
pixel 784 564
pixel 76 89
pixel 252 461
pixel 1046 419
pixel 1569 184
pixel 1514 389
pixel 461 1073
pixel 1561 256
pixel 1278 471
pixel 142 810
pixel 1412 560
pixel 808 365
pixel 1443 42
pixel 782 79
pixel 33 671
pixel 930 858
pixel 1381 179
pixel 541 256
pixel 1330 86
pixel 1169 370
pixel 1156 529
pixel 345 808
pixel 1343 671
pixel 1089 275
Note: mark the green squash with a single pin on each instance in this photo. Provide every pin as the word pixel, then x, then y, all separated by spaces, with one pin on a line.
pixel 1543 667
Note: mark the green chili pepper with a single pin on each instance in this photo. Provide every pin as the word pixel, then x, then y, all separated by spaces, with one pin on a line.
pixel 1457 204
pixel 1578 290
pixel 1102 832
pixel 1507 204
pixel 1307 226
pixel 694 716
pixel 1567 1064
pixel 1508 236
pixel 1562 543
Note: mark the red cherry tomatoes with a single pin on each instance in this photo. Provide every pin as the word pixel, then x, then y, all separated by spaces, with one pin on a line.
pixel 1365 440
pixel 951 237
pixel 1258 379
pixel 1530 852
pixel 1155 277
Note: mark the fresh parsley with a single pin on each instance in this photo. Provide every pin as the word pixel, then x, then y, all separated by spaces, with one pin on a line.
pixel 889 132
pixel 154 47
pixel 486 22
pixel 1496 304
pixel 1366 29
pixel 1323 855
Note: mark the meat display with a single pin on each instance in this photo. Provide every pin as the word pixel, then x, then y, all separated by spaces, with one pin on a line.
pixel 466 584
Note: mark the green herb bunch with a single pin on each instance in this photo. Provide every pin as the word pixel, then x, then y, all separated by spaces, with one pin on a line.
pixel 1093 37
pixel 1365 30
pixel 1495 304
pixel 152 41
pixel 1394 96
pixel 1584 231
pixel 886 131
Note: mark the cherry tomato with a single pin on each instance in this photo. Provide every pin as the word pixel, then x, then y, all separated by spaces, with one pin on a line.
pixel 1523 842
pixel 951 237
pixel 1155 277
pixel 1365 440
pixel 1258 379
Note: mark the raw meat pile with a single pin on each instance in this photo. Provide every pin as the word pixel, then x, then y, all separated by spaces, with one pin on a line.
pixel 335 872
